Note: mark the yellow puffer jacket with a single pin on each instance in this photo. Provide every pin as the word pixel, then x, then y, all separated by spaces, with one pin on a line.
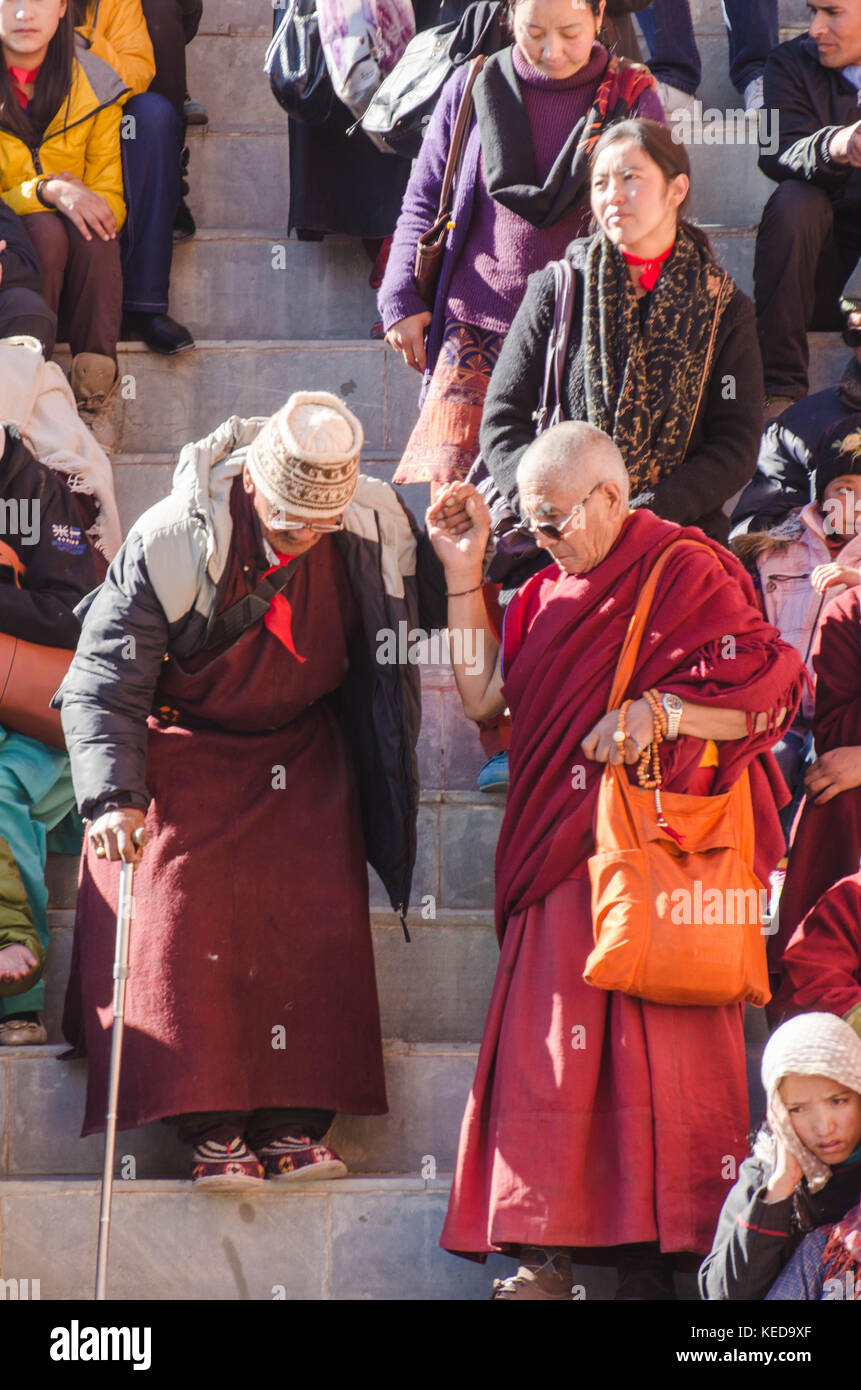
pixel 82 139
pixel 116 31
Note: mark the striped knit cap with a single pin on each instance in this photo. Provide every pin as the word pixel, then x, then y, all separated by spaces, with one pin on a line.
pixel 815 1044
pixel 306 457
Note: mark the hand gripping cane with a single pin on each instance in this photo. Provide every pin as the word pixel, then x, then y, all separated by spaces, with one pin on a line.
pixel 121 972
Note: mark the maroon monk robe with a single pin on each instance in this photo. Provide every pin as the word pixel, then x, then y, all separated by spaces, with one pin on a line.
pixel 597 1119
pixel 822 963
pixel 827 841
pixel 252 977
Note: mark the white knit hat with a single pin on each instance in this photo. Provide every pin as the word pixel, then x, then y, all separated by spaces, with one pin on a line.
pixel 306 457
pixel 815 1044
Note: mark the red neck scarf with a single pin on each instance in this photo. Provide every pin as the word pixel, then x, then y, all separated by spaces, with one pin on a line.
pixel 651 266
pixel 279 618
pixel 21 78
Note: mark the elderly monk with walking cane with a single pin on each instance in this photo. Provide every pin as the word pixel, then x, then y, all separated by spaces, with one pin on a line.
pixel 225 695
pixel 599 1122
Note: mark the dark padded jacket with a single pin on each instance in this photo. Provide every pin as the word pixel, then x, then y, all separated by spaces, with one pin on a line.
pixel 19 262
pixel 813 102
pixel 721 456
pixel 39 519
pixel 755 1239
pixel 162 590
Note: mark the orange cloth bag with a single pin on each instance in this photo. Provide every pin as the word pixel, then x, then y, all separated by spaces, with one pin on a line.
pixel 676 913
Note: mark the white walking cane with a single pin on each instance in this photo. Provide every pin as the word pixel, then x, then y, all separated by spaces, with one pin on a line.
pixel 121 974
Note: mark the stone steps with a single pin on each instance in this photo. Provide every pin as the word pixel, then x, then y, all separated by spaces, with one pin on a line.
pixel 359 1238
pixel 180 399
pixel 427 1086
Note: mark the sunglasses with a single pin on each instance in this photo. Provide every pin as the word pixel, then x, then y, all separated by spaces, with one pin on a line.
pixel 279 521
pixel 553 530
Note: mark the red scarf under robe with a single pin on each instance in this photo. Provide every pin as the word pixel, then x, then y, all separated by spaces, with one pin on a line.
pixel 561 645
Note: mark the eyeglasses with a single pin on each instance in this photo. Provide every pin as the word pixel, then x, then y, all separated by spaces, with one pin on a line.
pixel 552 530
pixel 279 521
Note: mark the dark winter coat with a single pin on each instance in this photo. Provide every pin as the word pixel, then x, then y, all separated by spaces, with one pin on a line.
pixel 163 589
pixel 39 519
pixel 812 103
pixel 721 456
pixel 755 1239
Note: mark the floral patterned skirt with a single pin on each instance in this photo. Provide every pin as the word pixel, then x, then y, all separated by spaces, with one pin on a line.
pixel 444 443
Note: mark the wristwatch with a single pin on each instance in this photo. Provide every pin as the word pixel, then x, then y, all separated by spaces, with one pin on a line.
pixel 673 708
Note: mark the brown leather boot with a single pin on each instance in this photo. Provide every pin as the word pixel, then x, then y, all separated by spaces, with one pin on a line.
pixel 543 1274
pixel 95 382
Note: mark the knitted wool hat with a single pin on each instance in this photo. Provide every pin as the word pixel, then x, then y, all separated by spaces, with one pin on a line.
pixel 815 1044
pixel 837 453
pixel 306 457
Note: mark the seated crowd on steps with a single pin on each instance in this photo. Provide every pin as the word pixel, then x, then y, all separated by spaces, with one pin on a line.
pixel 210 688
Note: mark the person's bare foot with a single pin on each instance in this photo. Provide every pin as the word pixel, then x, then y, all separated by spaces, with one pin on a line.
pixel 16 962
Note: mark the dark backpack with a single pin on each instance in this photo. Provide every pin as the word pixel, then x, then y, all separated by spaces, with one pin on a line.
pixel 403 104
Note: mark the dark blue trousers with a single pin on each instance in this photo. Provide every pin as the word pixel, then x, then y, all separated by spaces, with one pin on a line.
pixel 152 137
pixel 751 27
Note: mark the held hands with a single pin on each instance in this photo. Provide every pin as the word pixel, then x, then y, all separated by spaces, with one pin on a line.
pixel 826 576
pixel 119 835
pixel 836 771
pixel 84 208
pixel 407 336
pixel 458 528
pixel 845 146
pixel 601 747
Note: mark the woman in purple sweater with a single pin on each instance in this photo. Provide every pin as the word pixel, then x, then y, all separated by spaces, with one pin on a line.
pixel 521 197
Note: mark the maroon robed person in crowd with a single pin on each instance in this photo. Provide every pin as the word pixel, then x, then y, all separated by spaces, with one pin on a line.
pixel 821 968
pixel 827 842
pixel 225 694
pixel 599 1124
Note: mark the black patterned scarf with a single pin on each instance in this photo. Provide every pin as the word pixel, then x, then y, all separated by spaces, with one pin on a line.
pixel 643 383
pixel 506 140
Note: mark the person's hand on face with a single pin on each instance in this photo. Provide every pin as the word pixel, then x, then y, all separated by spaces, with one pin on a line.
pixel 786 1176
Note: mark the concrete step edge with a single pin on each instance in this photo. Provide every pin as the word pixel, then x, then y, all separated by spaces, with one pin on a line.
pixel 392 1047
pixel 58 1184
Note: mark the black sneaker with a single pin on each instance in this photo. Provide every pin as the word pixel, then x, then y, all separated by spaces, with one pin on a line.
pixel 184 226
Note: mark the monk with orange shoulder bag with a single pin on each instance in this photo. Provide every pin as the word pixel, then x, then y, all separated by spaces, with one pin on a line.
pixel 659 856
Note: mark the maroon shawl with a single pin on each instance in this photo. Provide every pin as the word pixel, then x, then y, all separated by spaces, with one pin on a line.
pixel 706 642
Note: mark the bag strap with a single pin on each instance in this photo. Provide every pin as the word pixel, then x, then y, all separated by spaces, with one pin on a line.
pixel 637 626
pixel 458 137
pixel 10 557
pixel 247 611
pixel 557 346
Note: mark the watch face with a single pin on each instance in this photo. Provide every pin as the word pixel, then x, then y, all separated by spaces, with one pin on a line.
pixel 672 702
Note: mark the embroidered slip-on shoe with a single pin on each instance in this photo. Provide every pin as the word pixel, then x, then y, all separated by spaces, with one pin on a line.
pixel 288 1159
pixel 22 1031
pixel 227 1167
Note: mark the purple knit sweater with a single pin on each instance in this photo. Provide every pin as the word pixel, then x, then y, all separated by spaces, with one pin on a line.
pixel 503 249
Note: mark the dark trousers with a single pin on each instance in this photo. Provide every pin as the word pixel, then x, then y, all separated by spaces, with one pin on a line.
pixel 151 175
pixel 82 282
pixel 752 30
pixel 806 248
pixel 23 311
pixel 259 1127
pixel 172 24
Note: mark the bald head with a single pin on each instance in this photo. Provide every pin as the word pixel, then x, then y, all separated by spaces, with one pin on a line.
pixel 574 478
pixel 571 457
